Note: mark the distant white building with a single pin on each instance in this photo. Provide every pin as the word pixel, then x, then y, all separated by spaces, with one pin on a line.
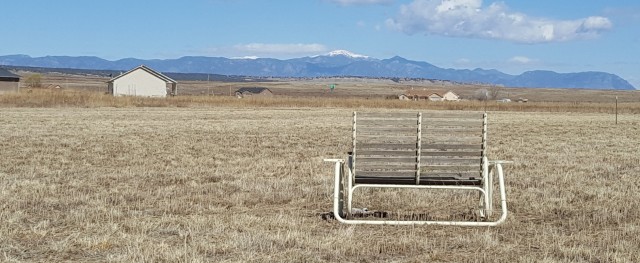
pixel 450 96
pixel 428 95
pixel 142 81
pixel 434 97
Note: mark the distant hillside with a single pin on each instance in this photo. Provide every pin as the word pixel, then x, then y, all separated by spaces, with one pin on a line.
pixel 112 73
pixel 337 63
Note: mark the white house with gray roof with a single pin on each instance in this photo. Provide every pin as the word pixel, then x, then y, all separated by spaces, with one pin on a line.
pixel 142 81
pixel 9 82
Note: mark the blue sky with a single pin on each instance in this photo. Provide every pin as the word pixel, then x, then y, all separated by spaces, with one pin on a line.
pixel 510 35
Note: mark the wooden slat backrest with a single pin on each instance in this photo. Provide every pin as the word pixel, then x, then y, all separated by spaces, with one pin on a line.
pixel 453 145
pixel 418 147
pixel 385 144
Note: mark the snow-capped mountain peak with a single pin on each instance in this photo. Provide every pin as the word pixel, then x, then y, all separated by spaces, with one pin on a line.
pixel 246 57
pixel 345 53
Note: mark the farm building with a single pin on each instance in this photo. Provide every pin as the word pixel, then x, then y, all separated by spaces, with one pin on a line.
pixel 450 96
pixel 142 81
pixel 245 92
pixel 403 97
pixel 9 82
pixel 428 95
pixel 414 95
pixel 434 97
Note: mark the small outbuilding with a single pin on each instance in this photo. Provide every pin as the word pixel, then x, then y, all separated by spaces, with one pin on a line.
pixel 434 97
pixel 450 96
pixel 415 95
pixel 9 82
pixel 246 92
pixel 429 95
pixel 142 81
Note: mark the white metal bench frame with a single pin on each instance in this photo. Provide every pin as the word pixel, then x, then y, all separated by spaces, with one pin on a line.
pixel 342 183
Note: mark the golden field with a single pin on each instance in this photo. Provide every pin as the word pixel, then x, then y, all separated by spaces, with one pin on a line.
pixel 200 180
pixel 352 88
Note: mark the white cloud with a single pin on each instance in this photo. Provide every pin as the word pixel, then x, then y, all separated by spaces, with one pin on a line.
pixel 469 18
pixel 277 50
pixel 462 62
pixel 521 60
pixel 360 2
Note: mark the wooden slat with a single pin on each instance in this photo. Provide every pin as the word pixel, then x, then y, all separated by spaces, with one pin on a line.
pixel 385 146
pixel 444 146
pixel 453 118
pixel 412 180
pixel 389 140
pixel 372 122
pixel 452 123
pixel 391 129
pixel 451 154
pixel 367 159
pixel 386 153
pixel 385 180
pixel 435 137
pixel 385 173
pixel 451 167
pixel 455 175
pixel 453 115
pixel 388 115
pixel 387 166
pixel 364 135
pixel 440 130
pixel 451 133
pixel 447 161
pixel 452 140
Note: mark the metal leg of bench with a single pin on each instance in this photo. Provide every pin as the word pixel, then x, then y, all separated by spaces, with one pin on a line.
pixel 349 183
pixel 503 190
pixel 339 191
pixel 489 188
pixel 487 184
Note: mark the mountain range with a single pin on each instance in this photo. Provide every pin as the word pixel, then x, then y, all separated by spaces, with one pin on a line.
pixel 335 63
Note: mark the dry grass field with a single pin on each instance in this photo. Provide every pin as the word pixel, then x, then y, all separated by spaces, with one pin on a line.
pixel 353 88
pixel 241 183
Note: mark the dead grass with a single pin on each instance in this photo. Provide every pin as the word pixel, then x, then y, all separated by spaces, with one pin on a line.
pixel 232 184
pixel 40 98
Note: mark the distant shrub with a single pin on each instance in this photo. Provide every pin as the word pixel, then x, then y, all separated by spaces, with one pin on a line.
pixel 34 80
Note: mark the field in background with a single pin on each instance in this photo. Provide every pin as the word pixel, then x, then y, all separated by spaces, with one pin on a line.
pixel 247 183
pixel 43 98
pixel 354 88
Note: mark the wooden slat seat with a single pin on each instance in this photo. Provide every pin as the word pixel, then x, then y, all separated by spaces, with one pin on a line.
pixel 411 180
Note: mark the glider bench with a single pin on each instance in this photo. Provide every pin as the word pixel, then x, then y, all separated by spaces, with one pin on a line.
pixel 434 150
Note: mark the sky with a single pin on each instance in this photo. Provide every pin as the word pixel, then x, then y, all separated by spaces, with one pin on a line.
pixel 512 36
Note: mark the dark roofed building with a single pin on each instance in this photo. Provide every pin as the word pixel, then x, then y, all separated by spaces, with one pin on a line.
pixel 244 92
pixel 9 82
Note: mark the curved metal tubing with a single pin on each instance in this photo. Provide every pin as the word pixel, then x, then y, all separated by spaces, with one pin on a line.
pixel 338 213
